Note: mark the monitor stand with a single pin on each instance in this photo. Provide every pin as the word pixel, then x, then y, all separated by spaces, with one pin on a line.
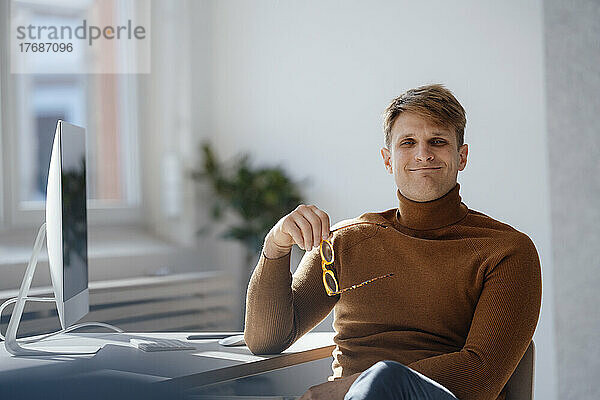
pixel 11 343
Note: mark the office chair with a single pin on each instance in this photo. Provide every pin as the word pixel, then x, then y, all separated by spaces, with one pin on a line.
pixel 520 385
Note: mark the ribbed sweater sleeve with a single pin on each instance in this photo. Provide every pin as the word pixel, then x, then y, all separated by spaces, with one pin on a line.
pixel 503 324
pixel 280 308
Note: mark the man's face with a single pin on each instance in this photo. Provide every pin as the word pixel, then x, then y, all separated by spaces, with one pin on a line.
pixel 424 158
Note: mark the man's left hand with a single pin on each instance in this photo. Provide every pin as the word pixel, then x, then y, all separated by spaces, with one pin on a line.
pixel 333 390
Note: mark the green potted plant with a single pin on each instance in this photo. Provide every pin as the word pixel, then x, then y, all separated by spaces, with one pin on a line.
pixel 257 196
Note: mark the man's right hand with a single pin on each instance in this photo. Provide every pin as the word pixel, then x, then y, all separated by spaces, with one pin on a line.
pixel 305 226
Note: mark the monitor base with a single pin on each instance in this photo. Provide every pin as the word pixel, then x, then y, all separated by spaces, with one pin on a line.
pixel 14 346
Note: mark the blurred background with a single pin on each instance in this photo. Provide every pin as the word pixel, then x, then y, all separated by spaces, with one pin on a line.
pixel 299 87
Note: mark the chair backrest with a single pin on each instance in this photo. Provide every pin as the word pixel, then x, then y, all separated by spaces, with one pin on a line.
pixel 520 385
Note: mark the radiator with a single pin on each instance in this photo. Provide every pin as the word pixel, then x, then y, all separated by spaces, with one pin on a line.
pixel 198 301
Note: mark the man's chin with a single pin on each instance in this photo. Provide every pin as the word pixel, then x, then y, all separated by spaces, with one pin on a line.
pixel 422 193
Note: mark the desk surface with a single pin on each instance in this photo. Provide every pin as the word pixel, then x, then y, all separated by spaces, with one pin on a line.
pixel 180 370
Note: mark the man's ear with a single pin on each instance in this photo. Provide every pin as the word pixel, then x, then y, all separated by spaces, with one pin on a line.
pixel 387 159
pixel 463 152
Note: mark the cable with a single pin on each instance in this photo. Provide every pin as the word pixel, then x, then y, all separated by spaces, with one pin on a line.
pixel 36 339
pixel 14 300
pixel 69 329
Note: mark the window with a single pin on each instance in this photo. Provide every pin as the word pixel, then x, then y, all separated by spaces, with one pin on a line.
pixel 105 104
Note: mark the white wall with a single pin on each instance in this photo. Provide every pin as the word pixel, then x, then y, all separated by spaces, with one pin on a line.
pixel 166 128
pixel 572 87
pixel 303 84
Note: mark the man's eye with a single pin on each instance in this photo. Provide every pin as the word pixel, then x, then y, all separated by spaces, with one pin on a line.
pixel 407 142
pixel 439 141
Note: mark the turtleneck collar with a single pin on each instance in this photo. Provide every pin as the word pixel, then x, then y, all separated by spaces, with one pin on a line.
pixel 434 214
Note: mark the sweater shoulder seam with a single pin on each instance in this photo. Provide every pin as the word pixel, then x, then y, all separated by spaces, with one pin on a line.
pixel 471 244
pixel 355 244
pixel 362 240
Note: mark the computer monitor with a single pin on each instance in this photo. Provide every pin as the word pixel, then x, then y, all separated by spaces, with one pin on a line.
pixel 66 223
pixel 66 230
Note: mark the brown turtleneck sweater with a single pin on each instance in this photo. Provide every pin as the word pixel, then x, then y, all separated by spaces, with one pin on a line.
pixel 461 308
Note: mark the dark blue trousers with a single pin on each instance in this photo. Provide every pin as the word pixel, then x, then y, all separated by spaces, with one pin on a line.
pixel 391 380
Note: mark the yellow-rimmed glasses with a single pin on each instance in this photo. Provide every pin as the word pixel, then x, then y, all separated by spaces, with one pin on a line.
pixel 327 256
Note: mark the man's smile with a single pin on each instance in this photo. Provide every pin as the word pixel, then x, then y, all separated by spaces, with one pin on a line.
pixel 425 169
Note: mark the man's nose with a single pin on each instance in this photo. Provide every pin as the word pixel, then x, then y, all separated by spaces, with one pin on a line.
pixel 424 153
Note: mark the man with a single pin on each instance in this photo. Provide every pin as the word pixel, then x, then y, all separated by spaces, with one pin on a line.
pixel 462 306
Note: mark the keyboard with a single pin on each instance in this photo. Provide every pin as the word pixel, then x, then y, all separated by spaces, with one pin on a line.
pixel 160 344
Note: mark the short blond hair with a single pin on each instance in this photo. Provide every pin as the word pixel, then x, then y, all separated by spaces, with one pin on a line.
pixel 432 102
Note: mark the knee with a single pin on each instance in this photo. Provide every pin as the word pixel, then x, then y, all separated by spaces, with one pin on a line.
pixel 389 363
pixel 383 380
pixel 389 369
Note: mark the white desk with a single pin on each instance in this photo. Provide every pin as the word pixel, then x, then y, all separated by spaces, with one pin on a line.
pixel 119 369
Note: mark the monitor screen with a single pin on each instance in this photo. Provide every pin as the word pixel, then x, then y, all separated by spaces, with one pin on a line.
pixel 74 212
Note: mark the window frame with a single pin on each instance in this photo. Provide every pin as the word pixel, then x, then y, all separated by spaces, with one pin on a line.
pixel 4 66
pixel 100 213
